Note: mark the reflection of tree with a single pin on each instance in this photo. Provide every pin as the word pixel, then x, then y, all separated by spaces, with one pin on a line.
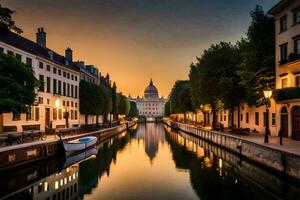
pixel 91 170
pixel 206 181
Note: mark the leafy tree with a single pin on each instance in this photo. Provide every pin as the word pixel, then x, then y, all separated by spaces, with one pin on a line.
pixel 134 112
pixel 214 80
pixel 6 22
pixel 123 105
pixel 114 96
pixel 18 84
pixel 181 98
pixel 257 51
pixel 167 109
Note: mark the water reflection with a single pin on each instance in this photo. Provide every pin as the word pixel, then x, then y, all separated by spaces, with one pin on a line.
pixel 149 163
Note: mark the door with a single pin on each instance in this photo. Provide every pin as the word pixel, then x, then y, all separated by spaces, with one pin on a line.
pixel 296 123
pixel 284 122
pixel 47 118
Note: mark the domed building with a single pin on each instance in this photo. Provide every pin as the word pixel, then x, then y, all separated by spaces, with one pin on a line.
pixel 150 105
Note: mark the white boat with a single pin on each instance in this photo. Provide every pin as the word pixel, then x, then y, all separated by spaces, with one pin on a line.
pixel 80 144
pixel 81 157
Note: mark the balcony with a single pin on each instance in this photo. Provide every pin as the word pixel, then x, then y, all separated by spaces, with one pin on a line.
pixel 291 58
pixel 287 94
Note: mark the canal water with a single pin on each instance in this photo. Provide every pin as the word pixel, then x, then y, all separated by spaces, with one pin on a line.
pixel 151 162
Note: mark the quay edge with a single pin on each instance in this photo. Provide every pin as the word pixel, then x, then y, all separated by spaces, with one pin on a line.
pixel 23 154
pixel 283 162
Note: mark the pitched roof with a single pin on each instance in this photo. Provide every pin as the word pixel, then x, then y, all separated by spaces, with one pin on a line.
pixel 279 7
pixel 33 48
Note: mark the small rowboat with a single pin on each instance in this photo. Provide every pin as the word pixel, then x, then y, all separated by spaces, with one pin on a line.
pixel 80 144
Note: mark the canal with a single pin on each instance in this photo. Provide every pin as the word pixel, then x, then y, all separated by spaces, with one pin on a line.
pixel 151 162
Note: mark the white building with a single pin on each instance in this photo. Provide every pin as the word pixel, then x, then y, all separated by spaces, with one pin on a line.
pixel 151 105
pixel 57 101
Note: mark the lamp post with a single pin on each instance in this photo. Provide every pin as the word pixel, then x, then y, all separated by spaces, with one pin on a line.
pixel 267 97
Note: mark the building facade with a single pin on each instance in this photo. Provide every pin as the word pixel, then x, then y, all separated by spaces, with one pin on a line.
pixel 150 105
pixel 57 101
pixel 287 29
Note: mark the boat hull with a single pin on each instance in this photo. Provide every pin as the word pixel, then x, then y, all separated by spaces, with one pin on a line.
pixel 78 145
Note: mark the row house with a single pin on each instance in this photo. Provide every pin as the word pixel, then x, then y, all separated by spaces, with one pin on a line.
pixel 287 26
pixel 91 74
pixel 57 103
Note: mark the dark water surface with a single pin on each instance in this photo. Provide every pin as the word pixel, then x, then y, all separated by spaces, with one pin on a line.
pixel 149 163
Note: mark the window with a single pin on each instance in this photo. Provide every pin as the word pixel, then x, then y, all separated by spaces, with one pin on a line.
pixel 241 117
pixel 59 113
pixel 16 116
pixel 283 23
pixel 64 88
pixel 37 114
pixel 48 68
pixel 265 119
pixel 29 114
pixel 296 16
pixel 247 118
pixel 224 117
pixel 284 83
pixel 72 103
pixel 72 91
pixel 283 52
pixel 76 92
pixel 273 119
pixel 72 77
pixel 68 89
pixel 75 78
pixel 41 100
pixel 10 53
pixel 68 75
pixel 54 113
pixel 68 103
pixel 59 87
pixel 54 86
pixel 54 70
pixel 297 45
pixel 41 65
pixel 42 83
pixel 297 81
pixel 59 72
pixel 257 118
pixel 48 84
pixel 75 105
pixel 29 62
pixel 72 114
pixel 64 74
pixel 19 57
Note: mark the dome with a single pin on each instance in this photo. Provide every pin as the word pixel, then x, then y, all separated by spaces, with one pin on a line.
pixel 151 91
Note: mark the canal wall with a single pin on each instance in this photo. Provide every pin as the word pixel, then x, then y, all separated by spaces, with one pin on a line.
pixel 281 161
pixel 247 171
pixel 17 155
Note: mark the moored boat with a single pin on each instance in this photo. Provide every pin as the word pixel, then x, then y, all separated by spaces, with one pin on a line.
pixel 80 144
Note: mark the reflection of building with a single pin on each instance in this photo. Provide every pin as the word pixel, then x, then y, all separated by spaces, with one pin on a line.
pixel 57 97
pixel 150 106
pixel 63 185
pixel 287 33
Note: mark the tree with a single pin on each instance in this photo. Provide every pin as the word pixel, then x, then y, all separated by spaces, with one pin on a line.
pixel 18 84
pixel 123 105
pixel 167 109
pixel 257 68
pixel 134 112
pixel 181 98
pixel 114 101
pixel 214 80
pixel 6 22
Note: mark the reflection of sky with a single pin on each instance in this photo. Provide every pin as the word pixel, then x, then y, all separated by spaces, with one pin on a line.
pixel 136 39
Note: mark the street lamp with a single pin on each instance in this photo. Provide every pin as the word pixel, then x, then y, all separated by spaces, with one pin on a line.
pixel 267 96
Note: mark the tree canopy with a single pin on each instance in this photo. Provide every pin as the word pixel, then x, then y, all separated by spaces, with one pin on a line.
pixel 134 112
pixel 6 21
pixel 18 84
pixel 181 98
pixel 123 105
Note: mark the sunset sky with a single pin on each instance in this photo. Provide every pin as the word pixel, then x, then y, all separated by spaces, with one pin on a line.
pixel 135 40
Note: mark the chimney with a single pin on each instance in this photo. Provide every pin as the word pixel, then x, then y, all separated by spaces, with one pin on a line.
pixel 41 37
pixel 69 54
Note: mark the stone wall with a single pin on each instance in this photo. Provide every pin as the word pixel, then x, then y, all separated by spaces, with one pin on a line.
pixel 275 159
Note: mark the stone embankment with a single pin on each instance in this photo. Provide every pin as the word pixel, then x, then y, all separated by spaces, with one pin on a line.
pixel 17 155
pixel 277 159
